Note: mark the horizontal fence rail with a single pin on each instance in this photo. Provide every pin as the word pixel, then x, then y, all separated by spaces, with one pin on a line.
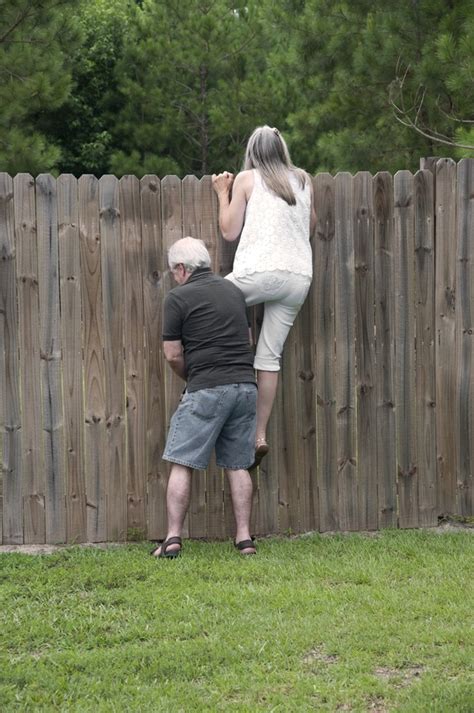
pixel 373 424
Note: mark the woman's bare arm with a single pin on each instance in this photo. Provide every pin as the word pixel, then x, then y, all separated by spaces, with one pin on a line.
pixel 232 209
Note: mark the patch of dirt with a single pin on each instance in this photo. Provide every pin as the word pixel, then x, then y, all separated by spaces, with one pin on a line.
pixel 319 655
pixel 51 549
pixel 377 705
pixel 400 677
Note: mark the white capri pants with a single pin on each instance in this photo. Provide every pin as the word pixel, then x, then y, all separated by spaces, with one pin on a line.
pixel 283 294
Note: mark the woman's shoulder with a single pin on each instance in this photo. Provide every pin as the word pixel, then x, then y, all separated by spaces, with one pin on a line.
pixel 245 180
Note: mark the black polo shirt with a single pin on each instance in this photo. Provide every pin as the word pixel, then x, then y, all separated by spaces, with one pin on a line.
pixel 208 315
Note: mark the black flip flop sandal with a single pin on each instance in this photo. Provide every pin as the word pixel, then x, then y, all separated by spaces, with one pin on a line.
pixel 164 548
pixel 243 545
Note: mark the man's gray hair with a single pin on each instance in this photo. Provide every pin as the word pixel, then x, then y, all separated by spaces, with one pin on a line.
pixel 190 252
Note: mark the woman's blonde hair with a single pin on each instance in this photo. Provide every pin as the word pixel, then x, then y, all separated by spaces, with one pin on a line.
pixel 268 153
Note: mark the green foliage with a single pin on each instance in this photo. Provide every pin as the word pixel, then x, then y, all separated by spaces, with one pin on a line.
pixel 82 126
pixel 347 57
pixel 190 82
pixel 35 39
pixel 168 86
pixel 318 623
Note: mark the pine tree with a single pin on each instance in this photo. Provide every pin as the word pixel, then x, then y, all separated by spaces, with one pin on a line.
pixel 82 126
pixel 191 86
pixel 349 61
pixel 34 78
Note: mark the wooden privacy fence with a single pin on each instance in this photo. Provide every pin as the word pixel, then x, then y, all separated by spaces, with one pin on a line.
pixel 374 420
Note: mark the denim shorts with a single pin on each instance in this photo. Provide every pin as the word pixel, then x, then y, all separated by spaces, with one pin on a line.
pixel 222 417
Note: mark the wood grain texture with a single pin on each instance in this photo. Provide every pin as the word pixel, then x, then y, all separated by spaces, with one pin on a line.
pixel 405 385
pixel 10 414
pixel 385 350
pixel 345 354
pixel 113 305
pixel 71 338
pixel 465 337
pixel 324 310
pixel 425 347
pixel 51 356
pixel 134 341
pixel 154 275
pixel 95 448
pixel 363 221
pixel 445 325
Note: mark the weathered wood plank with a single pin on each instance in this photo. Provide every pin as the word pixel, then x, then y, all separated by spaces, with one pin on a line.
pixel 267 504
pixel 465 337
pixel 345 354
pixel 134 335
pixel 425 348
pixel 50 346
pixel 113 301
pixel 192 223
pixel 405 386
pixel 365 351
pixel 10 415
pixel 154 275
pixel 323 308
pixel 385 350
pixel 445 323
pixel 172 230
pixel 215 519
pixel 71 338
pixel 95 461
pixel 305 389
pixel 291 438
pixel 33 474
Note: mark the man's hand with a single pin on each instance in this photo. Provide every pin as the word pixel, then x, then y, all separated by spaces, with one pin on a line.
pixel 222 182
pixel 174 355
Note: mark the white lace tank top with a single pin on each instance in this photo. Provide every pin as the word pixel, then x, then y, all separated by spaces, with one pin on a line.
pixel 275 235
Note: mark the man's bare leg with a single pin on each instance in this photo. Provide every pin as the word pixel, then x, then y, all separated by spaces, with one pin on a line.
pixel 241 489
pixel 178 494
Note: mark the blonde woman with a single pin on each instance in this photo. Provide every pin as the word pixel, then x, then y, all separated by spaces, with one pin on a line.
pixel 270 205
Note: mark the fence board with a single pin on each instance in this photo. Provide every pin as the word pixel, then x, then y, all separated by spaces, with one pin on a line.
pixel 323 308
pixel 172 230
pixel 405 385
pixel 134 340
pixel 50 368
pixel 192 225
pixel 345 354
pixel 306 416
pixel 385 350
pixel 154 271
pixel 71 338
pixel 215 517
pixel 95 460
pixel 425 348
pixel 365 351
pixel 33 474
pixel 446 357
pixel 113 302
pixel 465 336
pixel 291 437
pixel 10 416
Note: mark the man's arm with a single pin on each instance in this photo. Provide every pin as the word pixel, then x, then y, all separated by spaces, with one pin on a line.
pixel 174 355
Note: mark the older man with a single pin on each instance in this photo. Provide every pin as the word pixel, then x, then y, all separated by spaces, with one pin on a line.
pixel 206 342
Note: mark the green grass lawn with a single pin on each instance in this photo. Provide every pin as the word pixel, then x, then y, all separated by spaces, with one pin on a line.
pixel 317 623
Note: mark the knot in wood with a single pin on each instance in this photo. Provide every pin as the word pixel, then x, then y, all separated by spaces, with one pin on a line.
pixel 450 294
